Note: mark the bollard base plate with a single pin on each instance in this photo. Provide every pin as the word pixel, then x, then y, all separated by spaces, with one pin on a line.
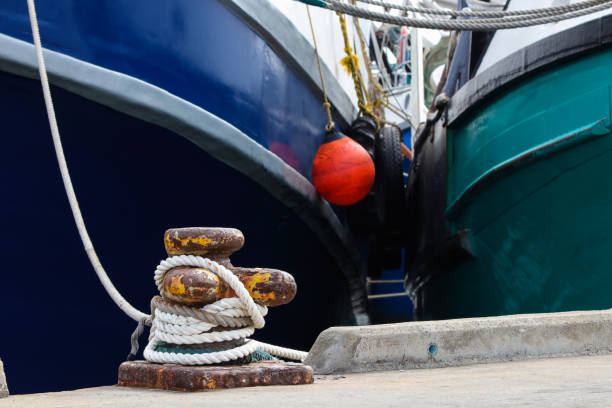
pixel 204 378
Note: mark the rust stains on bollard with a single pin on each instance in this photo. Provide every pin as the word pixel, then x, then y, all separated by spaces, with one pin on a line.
pixel 213 243
pixel 205 378
pixel 270 287
pixel 199 286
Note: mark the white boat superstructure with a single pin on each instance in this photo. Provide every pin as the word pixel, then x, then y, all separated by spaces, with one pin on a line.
pixel 506 42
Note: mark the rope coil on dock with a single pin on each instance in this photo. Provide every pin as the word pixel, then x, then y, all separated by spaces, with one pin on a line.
pixel 183 325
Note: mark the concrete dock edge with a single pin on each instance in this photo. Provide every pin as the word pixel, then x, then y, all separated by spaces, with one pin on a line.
pixel 446 343
pixel 4 392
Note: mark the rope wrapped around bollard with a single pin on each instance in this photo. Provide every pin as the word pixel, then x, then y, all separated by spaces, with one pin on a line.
pixel 180 324
pixel 202 319
pixel 246 316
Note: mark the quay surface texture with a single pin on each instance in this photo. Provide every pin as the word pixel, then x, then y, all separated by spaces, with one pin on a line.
pixel 557 382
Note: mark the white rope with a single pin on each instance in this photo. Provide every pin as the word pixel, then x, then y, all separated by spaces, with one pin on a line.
pixel 190 325
pixel 177 323
pixel 487 24
pixel 200 359
pixel 223 307
pixel 61 160
pixel 539 12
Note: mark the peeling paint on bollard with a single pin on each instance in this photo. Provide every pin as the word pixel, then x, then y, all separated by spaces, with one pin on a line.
pixel 4 392
pixel 213 243
pixel 193 286
pixel 199 286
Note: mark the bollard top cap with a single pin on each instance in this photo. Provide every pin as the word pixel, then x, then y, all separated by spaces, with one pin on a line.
pixel 203 241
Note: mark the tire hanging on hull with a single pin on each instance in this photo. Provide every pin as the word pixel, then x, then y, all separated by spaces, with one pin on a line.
pixel 379 217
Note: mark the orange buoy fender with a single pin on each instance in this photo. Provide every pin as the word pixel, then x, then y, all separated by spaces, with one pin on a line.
pixel 342 171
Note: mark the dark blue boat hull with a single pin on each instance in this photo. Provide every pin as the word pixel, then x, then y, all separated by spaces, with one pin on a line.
pixel 133 179
pixel 197 50
pixel 169 115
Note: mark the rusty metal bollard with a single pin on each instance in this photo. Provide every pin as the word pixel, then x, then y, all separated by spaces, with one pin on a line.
pixel 196 287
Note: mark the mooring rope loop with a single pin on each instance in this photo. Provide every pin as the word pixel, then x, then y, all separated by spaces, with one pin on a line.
pixel 195 325
pixel 246 306
pixel 215 357
pixel 241 312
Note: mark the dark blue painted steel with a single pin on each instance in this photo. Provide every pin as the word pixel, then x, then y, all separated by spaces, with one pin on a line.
pixel 197 50
pixel 407 140
pixel 59 329
pixel 394 309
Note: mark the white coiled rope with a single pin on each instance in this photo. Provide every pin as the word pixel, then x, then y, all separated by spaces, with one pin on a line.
pixel 190 325
pixel 172 322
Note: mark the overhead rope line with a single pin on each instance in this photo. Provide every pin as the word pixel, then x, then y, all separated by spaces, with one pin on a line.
pixel 490 24
pixel 545 11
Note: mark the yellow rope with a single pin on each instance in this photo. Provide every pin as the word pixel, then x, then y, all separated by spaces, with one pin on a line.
pixel 352 62
pixel 366 61
pixel 326 104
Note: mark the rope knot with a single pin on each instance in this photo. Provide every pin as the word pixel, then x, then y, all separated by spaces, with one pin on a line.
pixel 330 123
pixel 350 63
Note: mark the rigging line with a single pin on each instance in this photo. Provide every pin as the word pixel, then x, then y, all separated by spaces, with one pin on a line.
pixel 385 75
pixel 366 61
pixel 326 104
pixel 545 11
pixel 462 25
pixel 351 61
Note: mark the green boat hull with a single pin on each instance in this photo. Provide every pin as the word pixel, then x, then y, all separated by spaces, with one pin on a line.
pixel 529 184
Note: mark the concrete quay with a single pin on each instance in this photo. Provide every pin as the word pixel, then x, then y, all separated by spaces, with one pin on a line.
pixel 541 360
pixel 447 343
pixel 555 382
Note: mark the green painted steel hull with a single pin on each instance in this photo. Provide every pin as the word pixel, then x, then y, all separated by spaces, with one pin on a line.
pixel 530 176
